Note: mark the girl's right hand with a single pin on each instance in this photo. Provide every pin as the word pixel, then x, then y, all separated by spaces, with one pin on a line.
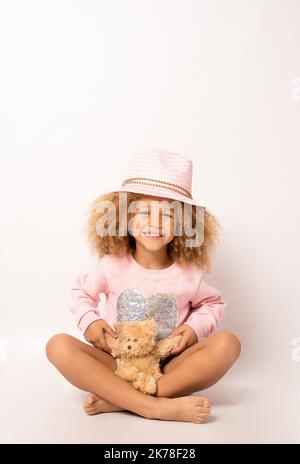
pixel 94 334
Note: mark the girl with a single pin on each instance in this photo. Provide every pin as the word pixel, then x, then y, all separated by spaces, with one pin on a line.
pixel 149 253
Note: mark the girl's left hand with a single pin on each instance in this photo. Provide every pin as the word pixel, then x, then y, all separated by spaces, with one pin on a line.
pixel 188 339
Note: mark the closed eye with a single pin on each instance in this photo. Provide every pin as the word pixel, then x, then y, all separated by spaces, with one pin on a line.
pixel 163 214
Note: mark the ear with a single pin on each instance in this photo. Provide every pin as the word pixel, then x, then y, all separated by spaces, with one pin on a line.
pixel 151 326
pixel 118 326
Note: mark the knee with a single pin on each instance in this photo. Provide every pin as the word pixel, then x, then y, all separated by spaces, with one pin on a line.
pixel 229 345
pixel 56 345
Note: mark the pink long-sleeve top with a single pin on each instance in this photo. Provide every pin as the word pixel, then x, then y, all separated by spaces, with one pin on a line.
pixel 199 305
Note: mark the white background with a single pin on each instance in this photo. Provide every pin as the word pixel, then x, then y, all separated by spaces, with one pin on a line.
pixel 83 85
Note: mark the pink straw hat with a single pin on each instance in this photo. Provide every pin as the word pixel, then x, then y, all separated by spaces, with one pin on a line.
pixel 160 173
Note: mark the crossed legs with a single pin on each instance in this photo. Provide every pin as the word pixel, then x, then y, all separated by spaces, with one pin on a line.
pixel 196 368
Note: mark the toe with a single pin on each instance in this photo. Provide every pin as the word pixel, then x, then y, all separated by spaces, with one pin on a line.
pixel 202 410
pixel 205 402
pixel 88 401
pixel 199 420
pixel 90 410
pixel 204 413
pixel 92 398
pixel 86 404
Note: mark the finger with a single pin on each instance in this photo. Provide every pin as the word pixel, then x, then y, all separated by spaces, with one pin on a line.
pixel 106 347
pixel 176 332
pixel 103 343
pixel 99 345
pixel 179 348
pixel 111 332
pixel 176 352
pixel 92 342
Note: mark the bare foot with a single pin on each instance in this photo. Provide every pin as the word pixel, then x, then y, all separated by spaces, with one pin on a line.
pixel 185 408
pixel 94 404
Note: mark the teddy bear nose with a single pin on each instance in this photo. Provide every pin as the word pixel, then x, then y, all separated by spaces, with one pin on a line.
pixel 129 347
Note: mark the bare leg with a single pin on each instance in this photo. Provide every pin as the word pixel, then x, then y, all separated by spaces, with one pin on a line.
pixel 196 368
pixel 72 359
pixel 200 366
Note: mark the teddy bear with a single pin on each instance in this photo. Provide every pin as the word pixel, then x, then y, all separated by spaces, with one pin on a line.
pixel 138 352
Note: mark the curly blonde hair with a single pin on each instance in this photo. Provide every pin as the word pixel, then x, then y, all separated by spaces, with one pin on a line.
pixel 176 249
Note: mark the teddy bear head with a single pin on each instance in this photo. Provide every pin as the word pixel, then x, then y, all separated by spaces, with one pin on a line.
pixel 135 338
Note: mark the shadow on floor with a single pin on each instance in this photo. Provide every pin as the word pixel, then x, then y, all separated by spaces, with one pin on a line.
pixel 226 395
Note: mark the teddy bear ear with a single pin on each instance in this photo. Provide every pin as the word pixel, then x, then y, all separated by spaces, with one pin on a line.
pixel 118 326
pixel 151 325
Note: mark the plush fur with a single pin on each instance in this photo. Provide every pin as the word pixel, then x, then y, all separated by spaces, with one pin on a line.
pixel 138 353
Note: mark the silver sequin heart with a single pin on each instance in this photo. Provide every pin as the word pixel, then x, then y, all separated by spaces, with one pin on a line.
pixel 133 306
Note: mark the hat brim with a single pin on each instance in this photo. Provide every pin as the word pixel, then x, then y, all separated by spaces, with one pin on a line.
pixel 157 192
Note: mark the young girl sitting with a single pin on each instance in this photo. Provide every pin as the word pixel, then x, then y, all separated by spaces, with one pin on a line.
pixel 158 239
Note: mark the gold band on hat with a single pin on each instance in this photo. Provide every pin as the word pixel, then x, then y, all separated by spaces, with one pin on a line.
pixel 159 183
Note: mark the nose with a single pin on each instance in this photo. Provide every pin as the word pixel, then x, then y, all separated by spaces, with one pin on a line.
pixel 129 347
pixel 155 223
pixel 155 226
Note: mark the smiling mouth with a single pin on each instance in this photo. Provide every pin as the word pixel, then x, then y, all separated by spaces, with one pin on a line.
pixel 152 235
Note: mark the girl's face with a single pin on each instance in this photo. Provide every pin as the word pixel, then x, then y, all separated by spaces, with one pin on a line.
pixel 153 222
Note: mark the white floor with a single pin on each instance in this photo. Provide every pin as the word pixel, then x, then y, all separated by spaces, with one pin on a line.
pixel 39 406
